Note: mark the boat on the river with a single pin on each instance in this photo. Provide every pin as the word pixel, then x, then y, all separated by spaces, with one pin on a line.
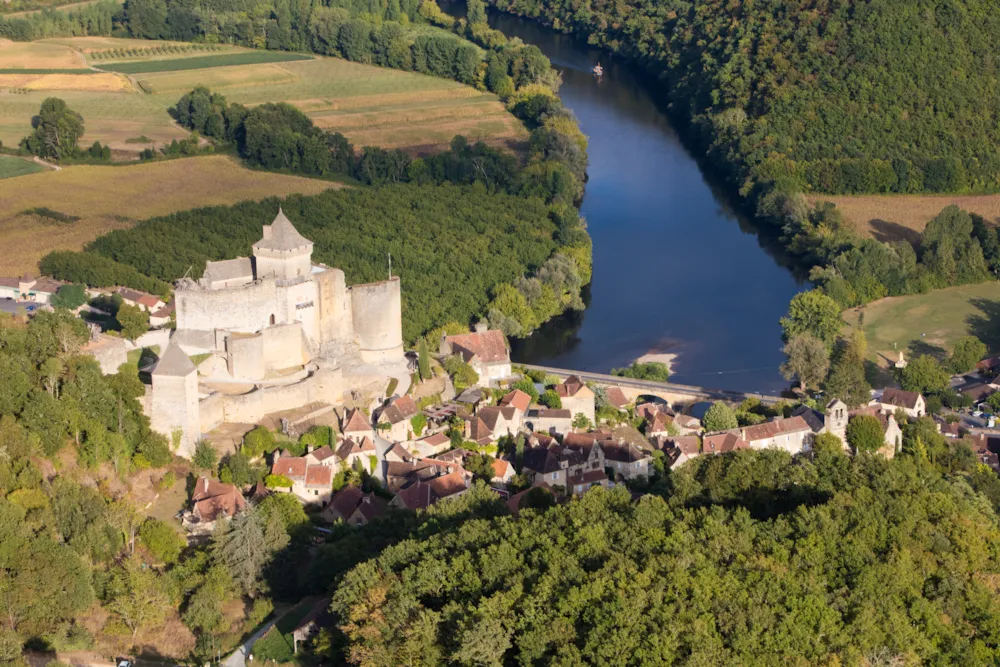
pixel 598 70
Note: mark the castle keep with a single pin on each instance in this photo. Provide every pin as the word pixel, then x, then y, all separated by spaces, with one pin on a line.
pixel 287 331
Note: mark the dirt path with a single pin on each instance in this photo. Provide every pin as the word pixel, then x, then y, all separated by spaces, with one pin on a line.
pixel 42 162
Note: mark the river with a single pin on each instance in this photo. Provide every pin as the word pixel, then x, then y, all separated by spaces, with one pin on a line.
pixel 675 268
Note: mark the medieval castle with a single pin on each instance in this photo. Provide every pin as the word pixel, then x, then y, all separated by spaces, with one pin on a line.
pixel 273 332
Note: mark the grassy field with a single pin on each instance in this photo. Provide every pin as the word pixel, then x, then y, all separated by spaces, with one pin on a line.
pixel 107 198
pixel 182 63
pixel 930 323
pixel 15 166
pixel 895 217
pixel 370 105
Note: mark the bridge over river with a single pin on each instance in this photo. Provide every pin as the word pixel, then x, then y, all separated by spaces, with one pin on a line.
pixel 668 391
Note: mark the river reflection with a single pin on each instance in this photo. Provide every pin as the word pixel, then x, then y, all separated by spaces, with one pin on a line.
pixel 675 268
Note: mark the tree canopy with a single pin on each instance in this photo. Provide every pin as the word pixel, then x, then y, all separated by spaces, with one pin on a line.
pixel 753 554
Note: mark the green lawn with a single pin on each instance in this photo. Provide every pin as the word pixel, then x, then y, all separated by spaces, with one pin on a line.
pixel 15 166
pixel 930 323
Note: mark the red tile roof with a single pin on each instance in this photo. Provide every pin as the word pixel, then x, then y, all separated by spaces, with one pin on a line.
pixel 900 398
pixel 517 399
pixel 319 476
pixel 616 397
pixel 687 444
pixel 570 387
pixel 355 422
pixel 212 499
pixel 588 477
pixel 487 346
pixel 448 485
pixel 292 467
pixel 346 501
pixel 416 496
pixel 720 443
pixel 435 440
pixel 501 468
pixel 774 428
pixel 323 453
pixel 149 300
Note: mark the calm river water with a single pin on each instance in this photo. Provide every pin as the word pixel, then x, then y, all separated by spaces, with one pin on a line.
pixel 675 268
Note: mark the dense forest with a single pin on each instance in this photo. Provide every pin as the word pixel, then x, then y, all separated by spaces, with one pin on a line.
pixel 451 245
pixel 746 558
pixel 834 95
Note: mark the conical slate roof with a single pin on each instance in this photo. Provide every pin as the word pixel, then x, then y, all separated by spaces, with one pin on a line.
pixel 281 235
pixel 174 362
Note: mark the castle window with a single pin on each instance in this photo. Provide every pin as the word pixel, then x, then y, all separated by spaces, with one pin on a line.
pixel 272 318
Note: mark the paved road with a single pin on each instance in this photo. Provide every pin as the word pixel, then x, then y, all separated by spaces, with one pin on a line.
pixel 239 656
pixel 684 389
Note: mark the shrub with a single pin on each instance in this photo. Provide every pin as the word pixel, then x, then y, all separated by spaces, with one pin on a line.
pixel 550 399
pixel 277 482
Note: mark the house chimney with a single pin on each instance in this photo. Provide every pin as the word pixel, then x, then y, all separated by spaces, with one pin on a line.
pixel 481 326
pixel 205 485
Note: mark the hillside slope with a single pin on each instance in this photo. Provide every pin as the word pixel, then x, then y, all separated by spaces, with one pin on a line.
pixel 835 95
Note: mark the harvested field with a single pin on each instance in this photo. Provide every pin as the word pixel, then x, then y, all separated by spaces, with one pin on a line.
pixel 930 323
pixel 370 105
pixel 58 8
pixel 38 55
pixel 176 84
pixel 895 217
pixel 204 62
pixel 95 82
pixel 14 166
pixel 108 198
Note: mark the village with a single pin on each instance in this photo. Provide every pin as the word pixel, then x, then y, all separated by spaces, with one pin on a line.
pixel 279 351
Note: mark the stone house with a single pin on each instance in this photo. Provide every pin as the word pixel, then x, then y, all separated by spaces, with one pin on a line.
pixel 486 350
pixel 490 424
pixel 556 464
pixel 350 451
pixel 792 435
pixel 687 425
pixel 145 302
pixel 324 456
pixel 28 288
pixel 354 507
pixel 681 449
pixel 723 443
pixel 310 483
pixel 503 472
pixel 161 316
pixel 911 402
pixel 626 459
pixel 518 400
pixel 394 420
pixel 551 421
pixel 658 424
pixel 616 398
pixel 833 419
pixel 582 482
pixel 211 501
pixel 419 493
pixel 576 397
pixel 356 426
pixel 431 445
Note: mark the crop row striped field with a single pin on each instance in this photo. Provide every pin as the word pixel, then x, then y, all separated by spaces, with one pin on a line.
pixel 203 62
pixel 370 105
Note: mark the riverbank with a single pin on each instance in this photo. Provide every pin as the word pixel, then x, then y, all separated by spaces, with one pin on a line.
pixel 673 258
